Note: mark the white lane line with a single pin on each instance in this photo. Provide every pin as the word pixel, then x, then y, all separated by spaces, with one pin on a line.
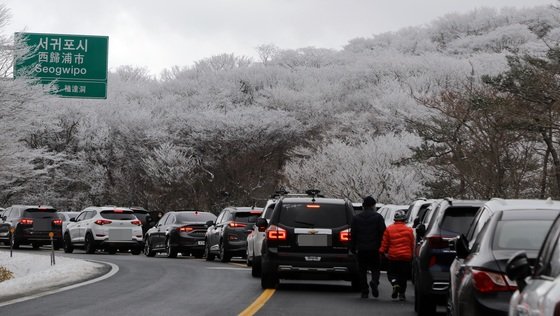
pixel 114 270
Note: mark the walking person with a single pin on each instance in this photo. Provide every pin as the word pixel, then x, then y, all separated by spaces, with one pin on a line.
pixel 367 230
pixel 397 246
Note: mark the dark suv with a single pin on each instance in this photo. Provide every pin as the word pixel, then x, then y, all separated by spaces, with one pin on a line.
pixel 433 255
pixel 31 225
pixel 227 236
pixel 308 238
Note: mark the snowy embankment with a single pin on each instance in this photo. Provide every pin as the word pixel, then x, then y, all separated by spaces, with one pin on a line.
pixel 33 273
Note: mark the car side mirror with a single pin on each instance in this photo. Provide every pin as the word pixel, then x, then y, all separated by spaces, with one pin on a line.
pixel 461 247
pixel 261 224
pixel 421 231
pixel 518 268
pixel 73 219
pixel 209 224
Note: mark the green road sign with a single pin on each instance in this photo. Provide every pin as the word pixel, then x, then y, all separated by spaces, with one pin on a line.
pixel 75 64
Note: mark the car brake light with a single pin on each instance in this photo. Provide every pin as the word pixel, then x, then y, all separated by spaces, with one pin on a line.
pixel 490 282
pixel 118 211
pixel 136 222
pixel 274 232
pixel 313 206
pixel 103 222
pixel 57 222
pixel 236 224
pixel 345 235
pixel 26 221
pixel 256 212
pixel 185 229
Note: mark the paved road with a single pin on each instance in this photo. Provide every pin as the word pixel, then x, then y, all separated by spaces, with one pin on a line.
pixel 188 286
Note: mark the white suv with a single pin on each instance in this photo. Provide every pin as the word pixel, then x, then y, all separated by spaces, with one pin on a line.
pixel 104 227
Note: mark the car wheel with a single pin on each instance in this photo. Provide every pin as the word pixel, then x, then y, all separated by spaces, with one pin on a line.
pixel 256 267
pixel 89 244
pixel 424 304
pixel 209 256
pixel 14 242
pixel 269 277
pixel 171 251
pixel 68 247
pixel 35 245
pixel 148 251
pixel 224 255
pixel 136 251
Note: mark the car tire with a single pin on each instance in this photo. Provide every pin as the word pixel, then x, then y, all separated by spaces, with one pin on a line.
pixel 224 255
pixel 68 247
pixel 269 277
pixel 35 245
pixel 148 251
pixel 209 256
pixel 256 267
pixel 14 242
pixel 89 245
pixel 169 250
pixel 136 251
pixel 424 304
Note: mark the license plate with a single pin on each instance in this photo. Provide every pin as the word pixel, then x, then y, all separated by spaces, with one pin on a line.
pixel 201 243
pixel 120 234
pixel 313 240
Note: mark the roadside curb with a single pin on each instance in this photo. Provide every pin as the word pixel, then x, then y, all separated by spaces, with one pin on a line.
pixel 106 271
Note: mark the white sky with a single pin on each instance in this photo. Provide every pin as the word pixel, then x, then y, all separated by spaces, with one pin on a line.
pixel 161 34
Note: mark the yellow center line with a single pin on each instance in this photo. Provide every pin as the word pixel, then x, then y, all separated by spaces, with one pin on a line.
pixel 258 303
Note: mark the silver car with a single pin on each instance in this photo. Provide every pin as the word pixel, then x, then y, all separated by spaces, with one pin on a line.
pixel 539 287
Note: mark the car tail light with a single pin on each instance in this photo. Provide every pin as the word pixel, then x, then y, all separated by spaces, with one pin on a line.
pixel 490 282
pixel 102 222
pixel 236 224
pixel 437 242
pixel 185 229
pixel 57 222
pixel 26 221
pixel 274 232
pixel 136 222
pixel 118 211
pixel 345 235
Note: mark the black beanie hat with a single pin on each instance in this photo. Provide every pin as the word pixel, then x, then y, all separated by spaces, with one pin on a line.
pixel 369 201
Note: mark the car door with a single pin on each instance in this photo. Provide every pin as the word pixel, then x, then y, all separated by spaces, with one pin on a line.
pixel 5 225
pixel 76 228
pixel 157 238
pixel 214 231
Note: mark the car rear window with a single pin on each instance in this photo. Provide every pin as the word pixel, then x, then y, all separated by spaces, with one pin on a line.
pixel 520 235
pixel 202 217
pixel 313 215
pixel 246 217
pixel 40 213
pixel 118 215
pixel 457 220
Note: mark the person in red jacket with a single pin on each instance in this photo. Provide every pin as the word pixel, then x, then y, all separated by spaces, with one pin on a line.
pixel 397 245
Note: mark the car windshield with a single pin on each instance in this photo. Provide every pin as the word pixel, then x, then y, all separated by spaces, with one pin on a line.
pixel 246 217
pixel 40 213
pixel 201 217
pixel 313 215
pixel 520 235
pixel 458 220
pixel 118 215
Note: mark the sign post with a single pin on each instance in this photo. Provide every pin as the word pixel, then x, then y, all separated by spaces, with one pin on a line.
pixel 51 235
pixel 76 65
pixel 12 231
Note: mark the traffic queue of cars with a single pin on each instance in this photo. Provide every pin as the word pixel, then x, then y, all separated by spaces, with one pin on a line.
pixel 474 257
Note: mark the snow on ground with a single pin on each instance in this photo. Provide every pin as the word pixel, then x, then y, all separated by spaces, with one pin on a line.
pixel 33 272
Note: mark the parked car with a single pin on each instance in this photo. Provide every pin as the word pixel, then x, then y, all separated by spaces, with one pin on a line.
pixel 432 258
pixel 416 211
pixel 65 217
pixel 308 237
pixel 479 285
pixel 256 236
pixel 388 212
pixel 32 225
pixel 178 232
pixel 538 281
pixel 227 236
pixel 109 228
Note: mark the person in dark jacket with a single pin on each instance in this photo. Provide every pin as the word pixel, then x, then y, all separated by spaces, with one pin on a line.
pixel 367 230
